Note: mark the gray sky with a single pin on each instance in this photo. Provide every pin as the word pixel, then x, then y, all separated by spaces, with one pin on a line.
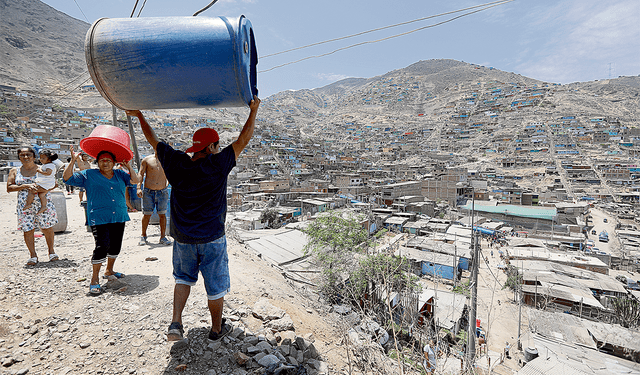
pixel 558 41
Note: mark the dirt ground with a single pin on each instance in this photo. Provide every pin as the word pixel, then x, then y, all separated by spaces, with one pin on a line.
pixel 50 324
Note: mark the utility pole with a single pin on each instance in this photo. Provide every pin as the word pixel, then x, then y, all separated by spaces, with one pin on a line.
pixel 519 286
pixel 114 119
pixel 133 142
pixel 471 343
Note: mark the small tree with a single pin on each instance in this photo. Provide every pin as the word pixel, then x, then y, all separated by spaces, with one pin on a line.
pixel 514 279
pixel 269 216
pixel 388 272
pixel 333 242
pixel 628 311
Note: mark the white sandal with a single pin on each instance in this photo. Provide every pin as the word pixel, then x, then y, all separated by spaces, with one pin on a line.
pixel 53 257
pixel 32 261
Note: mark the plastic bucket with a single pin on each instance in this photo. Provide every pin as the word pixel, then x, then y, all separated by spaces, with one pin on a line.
pixel 60 203
pixel 173 62
pixel 108 138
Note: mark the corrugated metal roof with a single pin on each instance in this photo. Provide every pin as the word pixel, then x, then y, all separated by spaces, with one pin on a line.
pixel 427 243
pixel 560 357
pixel 549 366
pixel 280 247
pixel 425 256
pixel 614 335
pixel 448 306
pixel 562 326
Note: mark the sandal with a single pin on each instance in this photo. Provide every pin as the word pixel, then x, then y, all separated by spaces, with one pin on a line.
pixel 53 257
pixel 95 289
pixel 32 261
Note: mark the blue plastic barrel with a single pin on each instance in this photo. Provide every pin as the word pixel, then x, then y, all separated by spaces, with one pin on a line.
pixel 173 62
pixel 134 200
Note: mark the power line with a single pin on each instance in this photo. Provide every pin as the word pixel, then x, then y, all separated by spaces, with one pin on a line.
pixel 382 28
pixel 134 8
pixel 63 96
pixel 383 39
pixel 205 8
pixel 142 7
pixel 67 84
pixel 85 16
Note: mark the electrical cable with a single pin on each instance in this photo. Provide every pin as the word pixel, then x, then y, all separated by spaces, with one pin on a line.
pixel 205 8
pixel 85 16
pixel 66 85
pixel 383 39
pixel 134 9
pixel 63 96
pixel 381 28
pixel 142 7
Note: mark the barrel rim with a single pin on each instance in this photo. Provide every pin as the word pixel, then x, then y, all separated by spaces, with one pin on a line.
pixel 89 58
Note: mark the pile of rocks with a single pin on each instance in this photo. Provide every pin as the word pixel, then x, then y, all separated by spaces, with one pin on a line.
pixel 244 352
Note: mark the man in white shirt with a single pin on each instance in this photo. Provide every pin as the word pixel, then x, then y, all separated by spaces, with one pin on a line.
pixel 430 358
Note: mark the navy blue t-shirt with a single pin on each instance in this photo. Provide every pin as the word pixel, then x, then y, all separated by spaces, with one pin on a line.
pixel 198 193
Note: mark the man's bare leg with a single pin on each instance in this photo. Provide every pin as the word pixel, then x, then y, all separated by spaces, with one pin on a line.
pixel 180 295
pixel 215 308
pixel 145 224
pixel 163 224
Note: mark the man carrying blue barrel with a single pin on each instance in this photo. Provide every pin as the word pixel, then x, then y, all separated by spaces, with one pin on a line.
pixel 198 213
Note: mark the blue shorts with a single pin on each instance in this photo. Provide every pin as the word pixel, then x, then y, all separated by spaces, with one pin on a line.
pixel 209 258
pixel 154 199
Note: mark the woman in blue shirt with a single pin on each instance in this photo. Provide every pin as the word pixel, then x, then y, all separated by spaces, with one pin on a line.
pixel 106 209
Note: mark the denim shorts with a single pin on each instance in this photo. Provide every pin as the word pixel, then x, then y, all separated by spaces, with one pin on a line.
pixel 209 258
pixel 154 199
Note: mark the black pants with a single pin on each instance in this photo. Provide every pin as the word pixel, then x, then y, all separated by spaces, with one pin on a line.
pixel 69 188
pixel 108 238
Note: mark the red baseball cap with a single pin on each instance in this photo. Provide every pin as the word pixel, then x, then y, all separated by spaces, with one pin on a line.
pixel 203 138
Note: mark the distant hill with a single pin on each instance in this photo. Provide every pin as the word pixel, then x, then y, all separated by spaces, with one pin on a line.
pixel 41 48
pixel 418 88
pixel 42 51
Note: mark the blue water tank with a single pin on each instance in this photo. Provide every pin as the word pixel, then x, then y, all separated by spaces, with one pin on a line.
pixel 173 62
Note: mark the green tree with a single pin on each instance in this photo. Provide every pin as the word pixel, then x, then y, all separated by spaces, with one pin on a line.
pixel 333 242
pixel 514 279
pixel 388 272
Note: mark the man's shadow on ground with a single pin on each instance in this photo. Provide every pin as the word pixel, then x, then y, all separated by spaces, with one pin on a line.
pixel 130 284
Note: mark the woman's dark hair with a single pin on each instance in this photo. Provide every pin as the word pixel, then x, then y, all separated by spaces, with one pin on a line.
pixel 106 152
pixel 29 148
pixel 49 154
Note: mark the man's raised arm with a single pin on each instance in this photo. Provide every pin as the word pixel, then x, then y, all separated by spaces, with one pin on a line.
pixel 147 130
pixel 247 130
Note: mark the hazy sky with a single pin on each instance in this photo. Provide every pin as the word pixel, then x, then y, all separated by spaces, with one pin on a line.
pixel 559 41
